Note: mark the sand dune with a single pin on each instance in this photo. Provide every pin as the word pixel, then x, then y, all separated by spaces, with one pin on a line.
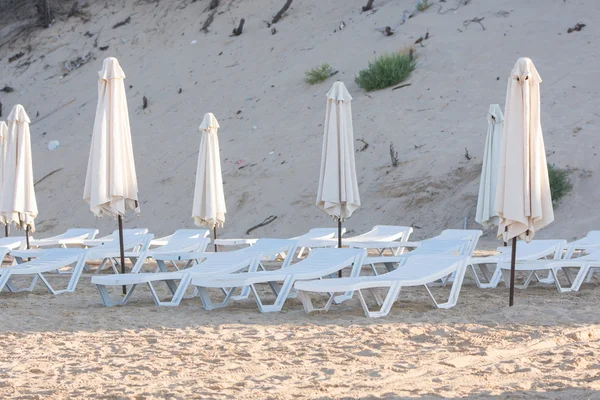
pixel 271 121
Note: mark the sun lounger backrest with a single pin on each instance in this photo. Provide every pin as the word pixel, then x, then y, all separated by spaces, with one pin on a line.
pixel 323 259
pixel 472 235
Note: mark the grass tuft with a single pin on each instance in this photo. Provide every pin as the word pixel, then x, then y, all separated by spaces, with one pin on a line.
pixel 387 70
pixel 560 184
pixel 318 74
pixel 424 5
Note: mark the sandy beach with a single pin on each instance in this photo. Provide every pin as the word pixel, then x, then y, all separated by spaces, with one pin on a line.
pixel 70 346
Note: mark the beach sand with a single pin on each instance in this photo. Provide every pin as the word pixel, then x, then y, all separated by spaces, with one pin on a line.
pixel 70 346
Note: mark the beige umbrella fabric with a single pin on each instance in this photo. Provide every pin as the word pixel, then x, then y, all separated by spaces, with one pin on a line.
pixel 209 199
pixel 3 134
pixel 486 214
pixel 523 200
pixel 17 198
pixel 111 182
pixel 338 188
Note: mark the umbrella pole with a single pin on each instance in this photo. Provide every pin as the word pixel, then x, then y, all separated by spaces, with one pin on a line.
pixel 121 246
pixel 27 236
pixel 513 256
pixel 339 241
pixel 6 230
pixel 215 237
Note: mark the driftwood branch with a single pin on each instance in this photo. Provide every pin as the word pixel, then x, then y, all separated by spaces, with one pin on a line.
pixel 401 86
pixel 124 22
pixel 267 221
pixel 453 9
pixel 369 6
pixel 53 111
pixel 476 20
pixel 365 145
pixel 279 15
pixel 208 21
pixel 238 31
pixel 393 155
pixel 47 175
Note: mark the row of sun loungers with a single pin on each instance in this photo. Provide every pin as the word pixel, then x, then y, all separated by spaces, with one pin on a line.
pixel 182 263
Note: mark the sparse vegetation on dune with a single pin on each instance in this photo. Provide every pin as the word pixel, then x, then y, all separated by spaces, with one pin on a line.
pixel 318 74
pixel 386 70
pixel 560 184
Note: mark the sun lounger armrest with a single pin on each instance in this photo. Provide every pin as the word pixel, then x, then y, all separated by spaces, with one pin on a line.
pixel 235 242
pixel 382 245
pixel 180 256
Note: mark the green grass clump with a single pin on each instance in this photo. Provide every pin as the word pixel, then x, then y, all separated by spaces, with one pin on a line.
pixel 387 70
pixel 560 184
pixel 424 5
pixel 318 74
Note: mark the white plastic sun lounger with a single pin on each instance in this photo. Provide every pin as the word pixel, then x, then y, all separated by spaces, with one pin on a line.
pixel 320 263
pixel 588 244
pixel 183 240
pixel 200 233
pixel 12 242
pixel 109 253
pixel 51 261
pixel 534 250
pixel 3 253
pixel 418 271
pixel 212 264
pixel 8 244
pixel 114 236
pixel 381 238
pixel 72 237
pixel 449 242
pixel 584 266
pixel 315 233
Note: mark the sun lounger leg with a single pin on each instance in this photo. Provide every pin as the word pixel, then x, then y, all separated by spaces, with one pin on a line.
pixel 584 271
pixel 286 287
pixel 207 301
pixel 177 295
pixel 308 304
pixel 106 297
pixel 4 281
pixel 454 291
pixel 386 305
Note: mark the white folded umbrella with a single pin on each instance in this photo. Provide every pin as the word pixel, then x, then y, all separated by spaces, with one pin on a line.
pixel 17 199
pixel 3 134
pixel 523 200
pixel 209 199
pixel 111 182
pixel 338 187
pixel 486 214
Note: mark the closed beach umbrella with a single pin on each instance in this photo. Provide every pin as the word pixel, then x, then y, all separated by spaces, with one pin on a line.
pixel 209 199
pixel 17 200
pixel 111 183
pixel 523 200
pixel 338 187
pixel 3 133
pixel 486 214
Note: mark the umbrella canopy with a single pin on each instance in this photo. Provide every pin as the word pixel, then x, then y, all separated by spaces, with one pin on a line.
pixel 338 188
pixel 486 214
pixel 523 200
pixel 17 198
pixel 3 134
pixel 111 183
pixel 209 199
